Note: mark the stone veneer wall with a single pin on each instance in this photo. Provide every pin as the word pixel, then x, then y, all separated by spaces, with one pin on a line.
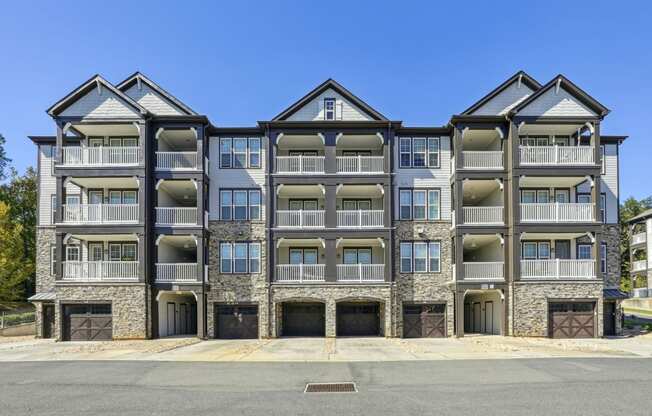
pixel 236 288
pixel 330 295
pixel 129 305
pixel 424 287
pixel 531 304
pixel 45 238
pixel 611 236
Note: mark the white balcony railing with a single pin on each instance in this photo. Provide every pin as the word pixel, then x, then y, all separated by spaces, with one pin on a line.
pixel 100 156
pixel 360 164
pixel 87 271
pixel 176 216
pixel 176 160
pixel 300 273
pixel 300 219
pixel 557 212
pixel 100 213
pixel 176 272
pixel 482 160
pixel 641 292
pixel 360 273
pixel 483 215
pixel 639 238
pixel 639 265
pixel 484 271
pixel 360 218
pixel 558 269
pixel 297 165
pixel 557 155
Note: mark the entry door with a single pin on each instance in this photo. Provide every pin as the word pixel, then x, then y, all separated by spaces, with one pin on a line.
pixel 489 317
pixel 609 318
pixel 172 319
pixel 477 327
pixel 95 197
pixel 562 249
pixel 356 204
pixel 183 318
pixel 562 196
pixel 95 142
pixel 48 321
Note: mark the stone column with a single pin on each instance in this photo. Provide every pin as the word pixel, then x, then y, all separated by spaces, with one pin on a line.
pixel 331 318
pixel 459 314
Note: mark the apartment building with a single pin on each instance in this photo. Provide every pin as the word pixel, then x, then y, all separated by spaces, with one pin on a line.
pixel 640 234
pixel 327 220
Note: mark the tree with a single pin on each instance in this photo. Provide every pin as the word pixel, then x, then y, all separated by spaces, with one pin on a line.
pixel 4 160
pixel 628 210
pixel 14 270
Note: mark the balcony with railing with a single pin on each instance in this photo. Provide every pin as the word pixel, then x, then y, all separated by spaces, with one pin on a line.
pixel 356 165
pixel 482 201
pixel 176 216
pixel 300 273
pixel 556 155
pixel 98 271
pixel 482 258
pixel 639 238
pixel 483 215
pixel 177 160
pixel 639 265
pixel 300 165
pixel 360 218
pixel 557 212
pixel 572 269
pixel 176 272
pixel 484 270
pixel 176 259
pixel 100 213
pixel 177 203
pixel 115 156
pixel 360 273
pixel 300 219
pixel 176 149
pixel 482 159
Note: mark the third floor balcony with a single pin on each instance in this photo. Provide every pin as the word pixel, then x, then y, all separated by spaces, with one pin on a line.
pixel 557 200
pixel 177 203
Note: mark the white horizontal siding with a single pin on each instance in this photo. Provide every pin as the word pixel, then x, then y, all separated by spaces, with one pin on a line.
pixel 313 110
pixel 505 101
pixel 96 105
pixel 609 184
pixel 152 100
pixel 47 185
pixel 556 104
pixel 234 178
pixel 426 178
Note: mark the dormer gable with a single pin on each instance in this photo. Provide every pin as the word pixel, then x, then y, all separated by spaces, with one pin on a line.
pixel 506 96
pixel 151 96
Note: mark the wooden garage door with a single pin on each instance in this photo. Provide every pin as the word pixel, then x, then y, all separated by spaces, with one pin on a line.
pixel 304 319
pixel 424 321
pixel 236 322
pixel 87 322
pixel 358 319
pixel 571 320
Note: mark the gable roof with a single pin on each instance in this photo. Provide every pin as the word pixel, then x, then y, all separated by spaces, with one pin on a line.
pixel 133 79
pixel 334 85
pixel 572 89
pixel 88 86
pixel 526 79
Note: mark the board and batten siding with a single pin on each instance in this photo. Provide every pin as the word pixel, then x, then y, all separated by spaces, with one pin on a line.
pixel 152 100
pixel 96 104
pixel 505 101
pixel 426 178
pixel 314 110
pixel 234 178
pixel 556 104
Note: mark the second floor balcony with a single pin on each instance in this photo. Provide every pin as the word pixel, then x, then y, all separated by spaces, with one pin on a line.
pixel 556 155
pixel 557 212
pixel 110 156
pixel 177 203
pixel 100 213
pixel 484 270
pixel 639 265
pixel 482 258
pixel 482 201
pixel 98 271
pixel 176 259
pixel 360 164
pixel 300 165
pixel 639 238
pixel 360 218
pixel 482 159
pixel 300 219
pixel 177 160
pixel 558 269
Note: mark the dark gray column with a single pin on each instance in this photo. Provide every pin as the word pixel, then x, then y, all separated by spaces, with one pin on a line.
pixel 387 205
pixel 331 206
pixel 200 205
pixel 459 201
pixel 142 257
pixel 200 258
pixel 58 270
pixel 456 145
pixel 59 145
pixel 596 143
pixel 142 144
pixel 200 148
pixel 330 152
pixel 60 197
pixel 387 154
pixel 459 257
pixel 595 197
pixel 389 272
pixel 597 255
pixel 331 260
pixel 201 314
pixel 142 206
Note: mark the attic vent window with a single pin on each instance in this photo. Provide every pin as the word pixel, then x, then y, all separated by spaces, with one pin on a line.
pixel 329 108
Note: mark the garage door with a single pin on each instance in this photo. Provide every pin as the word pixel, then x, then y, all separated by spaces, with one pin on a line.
pixel 424 321
pixel 358 319
pixel 571 320
pixel 236 322
pixel 87 322
pixel 303 319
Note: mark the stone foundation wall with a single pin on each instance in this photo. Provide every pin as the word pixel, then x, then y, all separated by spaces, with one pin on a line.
pixel 424 287
pixel 236 288
pixel 611 236
pixel 45 238
pixel 129 305
pixel 38 315
pixel 531 304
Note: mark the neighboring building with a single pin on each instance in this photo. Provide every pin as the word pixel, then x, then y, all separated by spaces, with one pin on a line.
pixel 327 220
pixel 640 228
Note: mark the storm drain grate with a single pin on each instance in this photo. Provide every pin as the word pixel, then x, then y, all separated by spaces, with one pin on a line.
pixel 347 387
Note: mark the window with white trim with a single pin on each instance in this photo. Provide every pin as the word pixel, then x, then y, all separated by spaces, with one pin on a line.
pixel 329 108
pixel 240 204
pixel 603 257
pixel 603 207
pixel 584 251
pixel 420 257
pixel 53 259
pixel 533 250
pixel 419 152
pixel 72 253
pixel 240 152
pixel 603 159
pixel 240 258
pixel 419 204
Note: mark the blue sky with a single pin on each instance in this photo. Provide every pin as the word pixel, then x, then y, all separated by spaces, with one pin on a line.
pixel 420 62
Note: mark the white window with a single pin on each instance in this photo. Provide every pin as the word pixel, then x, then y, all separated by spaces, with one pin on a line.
pixel 240 204
pixel 420 257
pixel 53 259
pixel 240 152
pixel 329 108
pixel 254 152
pixel 254 205
pixel 603 257
pixel 115 252
pixel 434 255
pixel 433 204
pixel 72 253
pixel 433 152
pixel 529 250
pixel 584 251
pixel 405 202
pixel 226 257
pixel 406 257
pixel 240 258
pixel 225 153
pixel 419 152
pixel 419 204
pixel 405 150
pixel 254 258
pixel 129 252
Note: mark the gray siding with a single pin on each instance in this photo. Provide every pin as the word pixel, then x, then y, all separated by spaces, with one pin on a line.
pixel 505 101
pixel 556 104
pixel 152 100
pixel 313 110
pixel 100 105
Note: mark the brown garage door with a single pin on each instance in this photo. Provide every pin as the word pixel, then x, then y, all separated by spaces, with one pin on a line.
pixel 424 321
pixel 236 322
pixel 358 319
pixel 571 320
pixel 304 319
pixel 87 322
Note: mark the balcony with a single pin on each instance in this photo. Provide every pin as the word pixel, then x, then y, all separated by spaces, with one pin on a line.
pixel 557 212
pixel 360 273
pixel 558 269
pixel 639 265
pixel 176 272
pixel 300 273
pixel 360 218
pixel 300 219
pixel 176 160
pixel 355 165
pixel 98 271
pixel 556 155
pixel 300 165
pixel 176 216
pixel 81 156
pixel 100 214
pixel 482 159
pixel 483 215
pixel 639 238
pixel 493 271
